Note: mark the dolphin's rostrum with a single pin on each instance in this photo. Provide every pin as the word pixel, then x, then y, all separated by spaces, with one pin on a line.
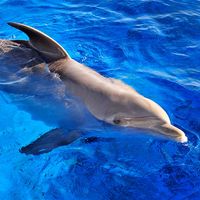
pixel 107 99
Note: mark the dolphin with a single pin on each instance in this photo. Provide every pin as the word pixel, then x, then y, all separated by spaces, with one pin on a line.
pixel 100 99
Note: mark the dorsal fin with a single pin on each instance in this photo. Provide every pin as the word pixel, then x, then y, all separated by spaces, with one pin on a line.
pixel 46 46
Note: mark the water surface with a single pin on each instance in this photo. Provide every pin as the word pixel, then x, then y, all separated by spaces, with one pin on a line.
pixel 152 45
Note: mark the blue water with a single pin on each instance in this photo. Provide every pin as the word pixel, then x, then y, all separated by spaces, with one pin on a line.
pixel 152 45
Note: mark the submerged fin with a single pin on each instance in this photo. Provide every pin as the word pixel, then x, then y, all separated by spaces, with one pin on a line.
pixel 93 139
pixel 46 46
pixel 50 140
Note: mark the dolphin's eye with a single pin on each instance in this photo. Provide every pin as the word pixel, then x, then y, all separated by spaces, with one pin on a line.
pixel 117 121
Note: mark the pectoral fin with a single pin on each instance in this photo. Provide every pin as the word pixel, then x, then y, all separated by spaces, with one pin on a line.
pixel 51 140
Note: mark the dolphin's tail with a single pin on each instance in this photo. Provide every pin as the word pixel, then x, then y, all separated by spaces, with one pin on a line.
pixel 48 48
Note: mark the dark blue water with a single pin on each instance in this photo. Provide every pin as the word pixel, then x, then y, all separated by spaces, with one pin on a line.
pixel 152 45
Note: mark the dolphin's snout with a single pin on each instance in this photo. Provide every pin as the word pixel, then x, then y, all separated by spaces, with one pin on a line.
pixel 181 137
pixel 172 133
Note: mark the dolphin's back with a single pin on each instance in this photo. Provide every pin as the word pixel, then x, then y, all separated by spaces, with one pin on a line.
pixel 51 52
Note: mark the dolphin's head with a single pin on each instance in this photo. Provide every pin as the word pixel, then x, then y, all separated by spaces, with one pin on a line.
pixel 139 112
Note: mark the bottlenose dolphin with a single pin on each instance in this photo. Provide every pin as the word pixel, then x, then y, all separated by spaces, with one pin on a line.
pixel 102 99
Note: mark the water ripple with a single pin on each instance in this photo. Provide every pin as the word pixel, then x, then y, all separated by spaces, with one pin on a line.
pixel 154 45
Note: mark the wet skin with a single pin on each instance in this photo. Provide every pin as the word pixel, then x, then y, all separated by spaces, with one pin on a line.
pixel 60 91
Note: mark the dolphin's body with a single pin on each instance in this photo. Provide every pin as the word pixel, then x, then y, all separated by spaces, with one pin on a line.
pixel 79 91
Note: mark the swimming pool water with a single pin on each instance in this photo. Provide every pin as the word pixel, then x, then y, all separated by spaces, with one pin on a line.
pixel 152 45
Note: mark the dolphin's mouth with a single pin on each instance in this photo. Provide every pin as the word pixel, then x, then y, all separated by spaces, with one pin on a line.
pixel 182 139
pixel 165 130
pixel 171 132
pixel 136 122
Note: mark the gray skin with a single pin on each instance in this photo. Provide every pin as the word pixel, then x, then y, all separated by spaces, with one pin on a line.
pixel 92 95
pixel 113 101
pixel 33 88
